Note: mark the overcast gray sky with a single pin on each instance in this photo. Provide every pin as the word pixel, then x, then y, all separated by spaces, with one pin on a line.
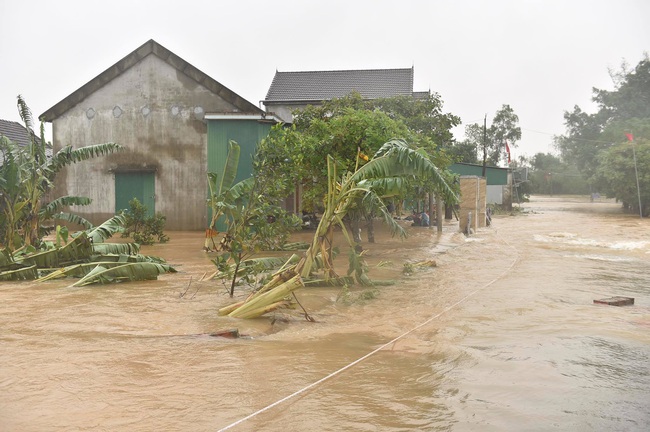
pixel 540 57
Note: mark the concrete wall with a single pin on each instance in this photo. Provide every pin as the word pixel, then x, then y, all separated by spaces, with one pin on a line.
pixel 284 111
pixel 495 194
pixel 156 113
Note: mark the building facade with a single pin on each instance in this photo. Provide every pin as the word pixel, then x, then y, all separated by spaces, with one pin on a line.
pixel 156 105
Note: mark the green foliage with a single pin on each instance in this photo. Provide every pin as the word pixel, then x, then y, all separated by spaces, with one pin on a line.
pixel 253 220
pixel 424 116
pixel 597 145
pixel 106 230
pixel 27 176
pixel 489 141
pixel 129 271
pixel 617 168
pixel 81 257
pixel 349 127
pixel 142 228
pixel 344 191
pixel 551 175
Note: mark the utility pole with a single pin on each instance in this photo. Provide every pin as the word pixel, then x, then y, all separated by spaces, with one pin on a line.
pixel 484 143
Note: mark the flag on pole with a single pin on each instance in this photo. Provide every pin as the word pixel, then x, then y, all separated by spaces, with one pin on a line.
pixel 508 151
pixel 629 136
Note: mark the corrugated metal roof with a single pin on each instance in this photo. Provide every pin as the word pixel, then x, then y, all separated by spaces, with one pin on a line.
pixel 326 85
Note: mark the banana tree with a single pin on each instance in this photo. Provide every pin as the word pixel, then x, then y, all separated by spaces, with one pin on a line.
pixel 395 160
pixel 28 175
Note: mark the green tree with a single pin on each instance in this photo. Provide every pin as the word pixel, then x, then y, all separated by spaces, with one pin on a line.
pixel 342 128
pixel 424 116
pixel 624 168
pixel 394 160
pixel 347 127
pixel 551 175
pixel 595 143
pixel 464 151
pixel 490 141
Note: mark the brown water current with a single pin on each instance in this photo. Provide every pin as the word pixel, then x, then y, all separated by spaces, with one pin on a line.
pixel 512 339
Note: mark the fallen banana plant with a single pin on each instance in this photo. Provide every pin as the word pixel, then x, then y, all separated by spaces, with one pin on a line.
pixel 116 248
pixel 85 257
pixel 124 272
pixel 107 261
pixel 27 273
pixel 394 160
pixel 257 265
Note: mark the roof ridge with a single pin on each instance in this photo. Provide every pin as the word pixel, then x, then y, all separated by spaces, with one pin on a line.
pixel 347 70
pixel 325 85
pixel 131 59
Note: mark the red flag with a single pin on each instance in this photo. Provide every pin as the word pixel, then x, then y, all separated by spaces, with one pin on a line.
pixel 508 151
pixel 629 136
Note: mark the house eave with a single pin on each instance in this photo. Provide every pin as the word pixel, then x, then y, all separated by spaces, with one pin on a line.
pixel 242 116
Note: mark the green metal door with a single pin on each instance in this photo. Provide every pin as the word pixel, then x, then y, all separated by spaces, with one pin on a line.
pixel 140 185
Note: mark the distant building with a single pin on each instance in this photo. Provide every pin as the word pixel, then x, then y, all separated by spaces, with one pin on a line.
pixel 499 181
pixel 292 91
pixel 14 132
pixel 18 134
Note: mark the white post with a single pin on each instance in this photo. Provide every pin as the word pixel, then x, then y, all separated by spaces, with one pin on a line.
pixel 636 173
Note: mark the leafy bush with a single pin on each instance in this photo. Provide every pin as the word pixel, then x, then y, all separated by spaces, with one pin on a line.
pixel 142 228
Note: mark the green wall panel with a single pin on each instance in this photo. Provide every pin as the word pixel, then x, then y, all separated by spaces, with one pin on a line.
pixel 247 133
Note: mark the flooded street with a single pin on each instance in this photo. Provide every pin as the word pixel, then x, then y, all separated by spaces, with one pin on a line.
pixel 502 335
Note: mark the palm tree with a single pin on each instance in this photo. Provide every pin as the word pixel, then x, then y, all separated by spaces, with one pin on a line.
pixel 392 163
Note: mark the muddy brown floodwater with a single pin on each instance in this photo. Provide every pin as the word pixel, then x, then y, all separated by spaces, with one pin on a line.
pixel 512 339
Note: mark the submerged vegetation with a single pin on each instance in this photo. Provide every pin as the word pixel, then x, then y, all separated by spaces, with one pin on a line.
pixel 85 256
pixel 143 229
pixel 27 176
pixel 394 162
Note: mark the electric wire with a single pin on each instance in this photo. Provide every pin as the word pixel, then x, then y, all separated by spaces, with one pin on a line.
pixel 391 342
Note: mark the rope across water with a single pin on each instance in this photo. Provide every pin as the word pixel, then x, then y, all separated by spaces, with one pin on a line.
pixel 360 359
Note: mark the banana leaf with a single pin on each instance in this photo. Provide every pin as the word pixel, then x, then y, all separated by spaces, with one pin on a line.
pixel 339 281
pixel 5 259
pixel 106 261
pixel 263 264
pixel 116 248
pixel 79 249
pixel 55 206
pixel 27 273
pixel 124 258
pixel 73 218
pixel 100 233
pixel 295 246
pixel 125 272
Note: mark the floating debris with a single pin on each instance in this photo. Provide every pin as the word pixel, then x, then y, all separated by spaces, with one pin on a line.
pixel 616 301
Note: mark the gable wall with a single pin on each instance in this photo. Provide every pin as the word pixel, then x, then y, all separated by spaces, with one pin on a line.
pixel 156 112
pixel 284 110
